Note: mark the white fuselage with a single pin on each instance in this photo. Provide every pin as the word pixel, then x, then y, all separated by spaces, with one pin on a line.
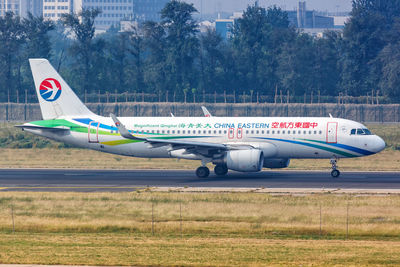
pixel 277 137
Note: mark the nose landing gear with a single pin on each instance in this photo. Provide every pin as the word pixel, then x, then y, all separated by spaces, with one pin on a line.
pixel 335 172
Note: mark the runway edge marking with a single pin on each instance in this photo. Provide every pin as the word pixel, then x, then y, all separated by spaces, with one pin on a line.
pixel 277 190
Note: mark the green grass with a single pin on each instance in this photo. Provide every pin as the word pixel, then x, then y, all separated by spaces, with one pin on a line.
pixel 203 215
pixel 217 229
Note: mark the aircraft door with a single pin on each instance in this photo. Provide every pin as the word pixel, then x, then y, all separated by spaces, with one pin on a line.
pixel 93 132
pixel 331 132
pixel 239 133
pixel 231 133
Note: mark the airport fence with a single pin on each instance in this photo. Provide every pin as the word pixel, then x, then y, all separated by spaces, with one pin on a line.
pixel 368 113
pixel 232 97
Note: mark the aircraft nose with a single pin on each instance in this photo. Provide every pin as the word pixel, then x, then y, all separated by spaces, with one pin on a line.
pixel 379 144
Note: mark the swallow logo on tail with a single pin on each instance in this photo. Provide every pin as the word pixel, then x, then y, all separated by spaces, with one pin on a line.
pixel 50 89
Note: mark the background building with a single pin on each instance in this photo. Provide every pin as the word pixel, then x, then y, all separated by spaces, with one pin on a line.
pixel 112 11
pixel 224 27
pixel 10 6
pixel 52 9
pixel 21 7
pixel 305 19
pixel 148 9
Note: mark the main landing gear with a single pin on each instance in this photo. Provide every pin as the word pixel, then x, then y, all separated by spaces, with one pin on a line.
pixel 220 169
pixel 204 172
pixel 335 172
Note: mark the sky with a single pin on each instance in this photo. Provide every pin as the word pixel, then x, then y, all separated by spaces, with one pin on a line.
pixel 212 6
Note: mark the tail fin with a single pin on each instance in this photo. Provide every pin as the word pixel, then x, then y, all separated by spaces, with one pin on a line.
pixel 56 98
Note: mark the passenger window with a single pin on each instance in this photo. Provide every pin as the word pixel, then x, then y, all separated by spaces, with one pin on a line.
pixel 173 131
pixel 283 132
pixel 320 132
pixel 315 132
pixel 257 132
pixel 288 132
pixel 273 132
pixel 179 131
pixel 262 132
pixel 219 132
pixel 224 131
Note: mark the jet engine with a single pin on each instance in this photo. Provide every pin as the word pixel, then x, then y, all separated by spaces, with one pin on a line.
pixel 276 163
pixel 249 160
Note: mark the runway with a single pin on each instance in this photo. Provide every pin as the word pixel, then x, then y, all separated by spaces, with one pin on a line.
pixel 130 180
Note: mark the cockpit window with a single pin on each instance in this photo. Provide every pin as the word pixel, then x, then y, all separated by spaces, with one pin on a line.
pixel 360 131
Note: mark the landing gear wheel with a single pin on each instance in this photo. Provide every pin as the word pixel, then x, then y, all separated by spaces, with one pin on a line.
pixel 202 172
pixel 220 170
pixel 335 173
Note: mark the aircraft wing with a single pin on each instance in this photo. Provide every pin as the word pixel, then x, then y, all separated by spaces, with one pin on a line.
pixel 174 143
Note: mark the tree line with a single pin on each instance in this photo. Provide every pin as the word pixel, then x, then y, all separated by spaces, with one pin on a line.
pixel 264 54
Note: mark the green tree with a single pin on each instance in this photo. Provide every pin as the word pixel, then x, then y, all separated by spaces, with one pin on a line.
pixel 326 71
pixel 296 65
pixel 250 35
pixel 12 37
pixel 210 61
pixel 136 49
pixel 182 43
pixel 155 46
pixel 365 35
pixel 83 49
pixel 37 36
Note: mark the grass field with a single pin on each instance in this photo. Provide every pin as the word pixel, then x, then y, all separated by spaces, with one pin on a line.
pixel 12 141
pixel 209 229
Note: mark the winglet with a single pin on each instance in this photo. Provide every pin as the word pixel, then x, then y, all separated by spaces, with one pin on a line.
pixel 122 130
pixel 206 112
pixel 330 116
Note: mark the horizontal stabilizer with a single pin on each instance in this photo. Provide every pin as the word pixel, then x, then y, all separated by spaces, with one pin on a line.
pixel 51 129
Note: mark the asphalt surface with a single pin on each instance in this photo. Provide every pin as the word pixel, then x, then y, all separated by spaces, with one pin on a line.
pixel 131 180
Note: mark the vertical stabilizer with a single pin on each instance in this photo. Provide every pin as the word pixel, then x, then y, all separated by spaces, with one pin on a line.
pixel 56 98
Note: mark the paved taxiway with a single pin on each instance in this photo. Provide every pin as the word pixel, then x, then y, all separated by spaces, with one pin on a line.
pixel 131 180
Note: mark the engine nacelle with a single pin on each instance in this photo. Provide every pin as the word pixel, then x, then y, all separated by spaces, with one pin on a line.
pixel 276 163
pixel 249 160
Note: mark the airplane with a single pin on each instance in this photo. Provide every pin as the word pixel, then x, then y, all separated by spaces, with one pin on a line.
pixel 243 144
